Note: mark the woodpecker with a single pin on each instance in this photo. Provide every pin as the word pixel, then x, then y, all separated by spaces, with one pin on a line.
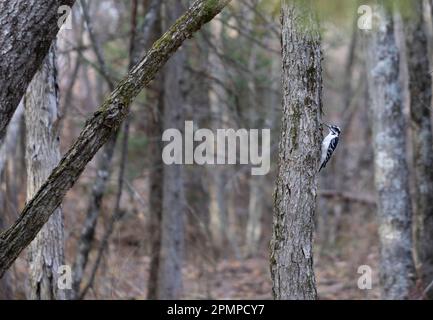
pixel 329 144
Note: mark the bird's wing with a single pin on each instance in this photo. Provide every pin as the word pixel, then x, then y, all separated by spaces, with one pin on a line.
pixel 332 145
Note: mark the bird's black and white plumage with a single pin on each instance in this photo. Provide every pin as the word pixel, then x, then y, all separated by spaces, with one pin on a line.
pixel 329 144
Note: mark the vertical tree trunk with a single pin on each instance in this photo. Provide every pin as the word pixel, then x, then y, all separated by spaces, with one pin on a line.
pixel 154 125
pixel 218 175
pixel 256 183
pixel 46 252
pixel 296 187
pixel 391 172
pixel 173 206
pixel 154 133
pixel 420 90
pixel 7 153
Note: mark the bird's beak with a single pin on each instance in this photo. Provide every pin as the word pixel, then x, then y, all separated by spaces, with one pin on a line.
pixel 324 124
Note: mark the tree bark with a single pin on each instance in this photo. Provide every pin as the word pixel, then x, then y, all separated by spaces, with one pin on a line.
pixel 154 130
pixel 8 153
pixel 46 253
pixel 420 90
pixel 28 28
pixel 296 186
pixel 98 130
pixel 391 172
pixel 173 195
pixel 156 185
pixel 218 175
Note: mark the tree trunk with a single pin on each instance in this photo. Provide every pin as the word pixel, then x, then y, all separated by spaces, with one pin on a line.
pixel 46 253
pixel 256 203
pixel 156 185
pixel 420 89
pixel 218 175
pixel 28 28
pixel 296 187
pixel 8 153
pixel 256 183
pixel 98 130
pixel 391 172
pixel 173 199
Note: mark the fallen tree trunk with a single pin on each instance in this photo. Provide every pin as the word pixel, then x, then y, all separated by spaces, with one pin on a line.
pixel 98 130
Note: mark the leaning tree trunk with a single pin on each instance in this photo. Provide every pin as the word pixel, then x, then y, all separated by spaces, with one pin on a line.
pixel 98 130
pixel 296 187
pixel 28 28
pixel 391 172
pixel 173 199
pixel 420 88
pixel 46 252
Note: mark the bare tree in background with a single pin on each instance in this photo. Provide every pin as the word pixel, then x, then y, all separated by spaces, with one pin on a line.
pixel 154 129
pixel 218 207
pixel 174 204
pixel 391 173
pixel 46 253
pixel 420 89
pixel 296 186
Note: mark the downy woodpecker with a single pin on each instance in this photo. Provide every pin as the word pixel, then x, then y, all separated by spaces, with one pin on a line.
pixel 329 144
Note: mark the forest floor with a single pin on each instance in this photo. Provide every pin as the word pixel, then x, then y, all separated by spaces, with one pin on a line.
pixel 124 276
pixel 230 279
pixel 123 273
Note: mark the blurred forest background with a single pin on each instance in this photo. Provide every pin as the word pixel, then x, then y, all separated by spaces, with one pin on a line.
pixel 227 76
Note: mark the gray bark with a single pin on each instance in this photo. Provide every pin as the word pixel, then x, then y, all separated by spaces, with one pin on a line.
pixel 11 139
pixel 154 124
pixel 218 207
pixel 391 172
pixel 420 90
pixel 46 252
pixel 98 129
pixel 28 28
pixel 7 153
pixel 256 183
pixel 173 199
pixel 296 186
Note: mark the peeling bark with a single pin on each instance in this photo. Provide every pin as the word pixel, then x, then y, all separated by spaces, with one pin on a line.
pixel 98 130
pixel 296 186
